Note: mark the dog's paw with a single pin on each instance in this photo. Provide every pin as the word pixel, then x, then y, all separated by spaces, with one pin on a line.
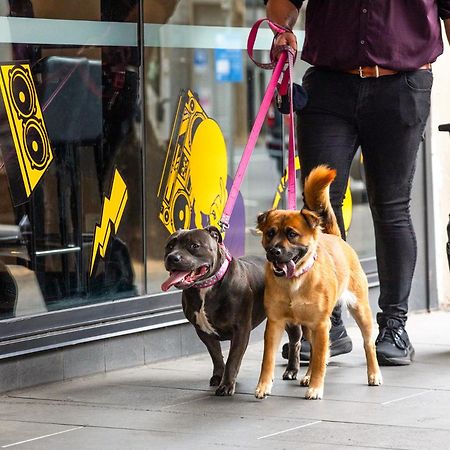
pixel 375 379
pixel 305 380
pixel 290 374
pixel 225 389
pixel 263 390
pixel 314 393
pixel 215 380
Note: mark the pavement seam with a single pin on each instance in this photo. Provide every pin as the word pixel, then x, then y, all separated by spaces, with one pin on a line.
pixel 407 397
pixel 315 420
pixel 80 402
pixel 41 437
pixel 290 429
pixel 212 396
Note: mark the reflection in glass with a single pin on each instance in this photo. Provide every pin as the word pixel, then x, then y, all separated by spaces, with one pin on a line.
pixel 76 238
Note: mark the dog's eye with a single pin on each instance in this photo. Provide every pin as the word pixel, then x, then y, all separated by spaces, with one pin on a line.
pixel 270 234
pixel 291 234
pixel 195 245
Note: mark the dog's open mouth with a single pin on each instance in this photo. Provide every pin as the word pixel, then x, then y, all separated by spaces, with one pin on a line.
pixel 285 269
pixel 184 279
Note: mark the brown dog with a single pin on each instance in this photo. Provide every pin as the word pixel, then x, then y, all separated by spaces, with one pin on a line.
pixel 311 268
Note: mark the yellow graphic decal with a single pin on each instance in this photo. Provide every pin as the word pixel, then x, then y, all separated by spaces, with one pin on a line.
pixel 195 170
pixel 282 185
pixel 346 207
pixel 112 212
pixel 27 125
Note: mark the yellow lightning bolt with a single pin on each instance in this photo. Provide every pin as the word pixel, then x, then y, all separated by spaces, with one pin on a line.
pixel 112 212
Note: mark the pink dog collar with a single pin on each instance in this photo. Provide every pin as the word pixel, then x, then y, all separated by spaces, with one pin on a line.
pixel 219 274
pixel 307 266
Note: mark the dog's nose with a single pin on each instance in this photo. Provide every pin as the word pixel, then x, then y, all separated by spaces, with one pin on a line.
pixel 275 251
pixel 174 258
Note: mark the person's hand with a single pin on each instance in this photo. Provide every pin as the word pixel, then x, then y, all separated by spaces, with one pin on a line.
pixel 282 39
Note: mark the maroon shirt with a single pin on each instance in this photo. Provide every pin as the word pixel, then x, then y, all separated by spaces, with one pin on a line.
pixel 394 34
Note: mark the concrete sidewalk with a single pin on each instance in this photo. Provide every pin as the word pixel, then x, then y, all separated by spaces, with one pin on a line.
pixel 169 405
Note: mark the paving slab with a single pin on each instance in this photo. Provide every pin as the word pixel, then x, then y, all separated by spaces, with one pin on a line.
pixel 363 436
pixel 14 432
pixel 89 438
pixel 169 405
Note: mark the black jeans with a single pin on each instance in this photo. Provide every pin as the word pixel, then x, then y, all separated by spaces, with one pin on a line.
pixel 386 116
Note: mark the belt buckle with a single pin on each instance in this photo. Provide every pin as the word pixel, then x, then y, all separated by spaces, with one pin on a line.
pixel 361 72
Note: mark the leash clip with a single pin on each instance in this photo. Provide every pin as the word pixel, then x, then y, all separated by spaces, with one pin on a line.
pixel 223 226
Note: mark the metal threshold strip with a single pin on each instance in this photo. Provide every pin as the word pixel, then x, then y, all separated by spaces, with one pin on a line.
pixel 53 339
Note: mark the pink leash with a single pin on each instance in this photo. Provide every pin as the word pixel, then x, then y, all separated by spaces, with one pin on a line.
pixel 289 56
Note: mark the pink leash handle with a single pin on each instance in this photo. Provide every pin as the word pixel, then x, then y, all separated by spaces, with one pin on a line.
pixel 259 121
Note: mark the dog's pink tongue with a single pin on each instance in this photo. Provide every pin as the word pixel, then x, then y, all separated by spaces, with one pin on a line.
pixel 174 278
pixel 289 269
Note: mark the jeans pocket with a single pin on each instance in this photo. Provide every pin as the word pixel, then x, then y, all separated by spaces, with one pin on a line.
pixel 419 80
pixel 415 97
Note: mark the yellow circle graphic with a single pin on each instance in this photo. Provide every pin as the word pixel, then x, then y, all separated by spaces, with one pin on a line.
pixel 208 164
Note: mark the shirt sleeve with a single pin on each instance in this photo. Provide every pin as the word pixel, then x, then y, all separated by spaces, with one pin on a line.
pixel 296 3
pixel 444 9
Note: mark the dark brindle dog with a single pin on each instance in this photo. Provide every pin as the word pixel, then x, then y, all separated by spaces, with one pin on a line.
pixel 222 297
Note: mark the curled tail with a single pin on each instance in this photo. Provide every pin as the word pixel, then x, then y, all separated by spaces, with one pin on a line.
pixel 317 197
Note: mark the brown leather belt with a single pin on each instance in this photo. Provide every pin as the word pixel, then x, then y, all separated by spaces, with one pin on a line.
pixel 377 71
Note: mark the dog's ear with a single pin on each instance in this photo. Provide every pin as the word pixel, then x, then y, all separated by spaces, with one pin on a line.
pixel 175 234
pixel 214 232
pixel 262 219
pixel 312 219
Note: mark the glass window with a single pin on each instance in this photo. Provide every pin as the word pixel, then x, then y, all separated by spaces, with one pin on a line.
pixel 201 95
pixel 97 169
pixel 196 52
pixel 70 164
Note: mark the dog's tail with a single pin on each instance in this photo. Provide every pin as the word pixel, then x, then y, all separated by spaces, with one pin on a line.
pixel 317 197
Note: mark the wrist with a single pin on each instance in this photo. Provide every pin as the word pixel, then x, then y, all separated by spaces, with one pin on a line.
pixel 279 29
pixel 282 12
pixel 283 32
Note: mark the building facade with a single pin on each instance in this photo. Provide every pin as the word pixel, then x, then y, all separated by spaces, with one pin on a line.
pixel 120 122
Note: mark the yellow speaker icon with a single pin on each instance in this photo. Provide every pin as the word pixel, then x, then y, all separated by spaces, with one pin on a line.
pixel 28 131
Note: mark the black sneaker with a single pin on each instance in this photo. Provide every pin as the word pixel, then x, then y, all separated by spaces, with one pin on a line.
pixel 393 346
pixel 340 343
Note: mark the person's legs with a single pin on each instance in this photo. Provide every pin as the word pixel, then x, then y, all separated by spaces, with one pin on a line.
pixel 392 114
